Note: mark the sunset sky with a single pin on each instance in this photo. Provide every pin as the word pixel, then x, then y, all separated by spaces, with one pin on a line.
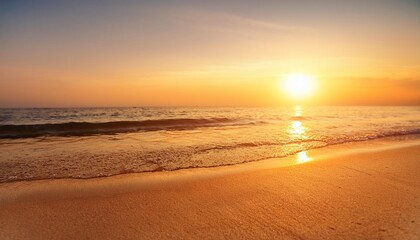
pixel 207 53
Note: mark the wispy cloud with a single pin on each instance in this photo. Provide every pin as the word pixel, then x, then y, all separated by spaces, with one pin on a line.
pixel 242 67
pixel 226 22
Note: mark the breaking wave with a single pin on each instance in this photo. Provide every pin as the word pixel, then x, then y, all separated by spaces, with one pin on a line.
pixel 89 128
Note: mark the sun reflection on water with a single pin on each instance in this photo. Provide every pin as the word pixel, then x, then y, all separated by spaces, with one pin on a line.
pixel 296 129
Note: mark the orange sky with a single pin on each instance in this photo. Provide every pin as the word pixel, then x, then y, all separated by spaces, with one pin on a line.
pixel 212 53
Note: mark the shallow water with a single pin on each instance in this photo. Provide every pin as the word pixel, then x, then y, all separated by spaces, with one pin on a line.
pixel 93 142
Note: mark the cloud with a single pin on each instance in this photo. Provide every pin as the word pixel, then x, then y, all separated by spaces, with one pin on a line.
pixel 230 23
pixel 243 68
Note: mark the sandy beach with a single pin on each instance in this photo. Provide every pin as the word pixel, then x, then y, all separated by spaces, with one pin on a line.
pixel 353 191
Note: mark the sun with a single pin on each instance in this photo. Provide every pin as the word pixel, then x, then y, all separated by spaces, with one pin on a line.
pixel 298 85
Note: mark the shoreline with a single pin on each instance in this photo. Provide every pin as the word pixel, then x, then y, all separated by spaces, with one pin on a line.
pixel 341 186
pixel 376 144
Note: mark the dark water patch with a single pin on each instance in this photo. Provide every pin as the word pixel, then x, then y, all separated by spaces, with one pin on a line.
pixel 88 128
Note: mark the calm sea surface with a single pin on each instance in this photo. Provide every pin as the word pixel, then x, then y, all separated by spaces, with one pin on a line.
pixel 94 142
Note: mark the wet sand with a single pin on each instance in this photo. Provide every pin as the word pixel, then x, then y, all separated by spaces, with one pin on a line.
pixel 373 193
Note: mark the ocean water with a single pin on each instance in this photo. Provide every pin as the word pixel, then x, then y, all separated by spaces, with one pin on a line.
pixel 95 142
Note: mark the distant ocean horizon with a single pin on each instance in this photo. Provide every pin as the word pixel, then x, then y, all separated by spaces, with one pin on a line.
pixel 42 143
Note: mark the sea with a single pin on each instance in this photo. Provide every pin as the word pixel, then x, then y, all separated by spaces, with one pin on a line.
pixel 47 143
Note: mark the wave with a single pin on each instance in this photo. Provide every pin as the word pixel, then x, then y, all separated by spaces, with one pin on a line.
pixel 89 128
pixel 314 143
